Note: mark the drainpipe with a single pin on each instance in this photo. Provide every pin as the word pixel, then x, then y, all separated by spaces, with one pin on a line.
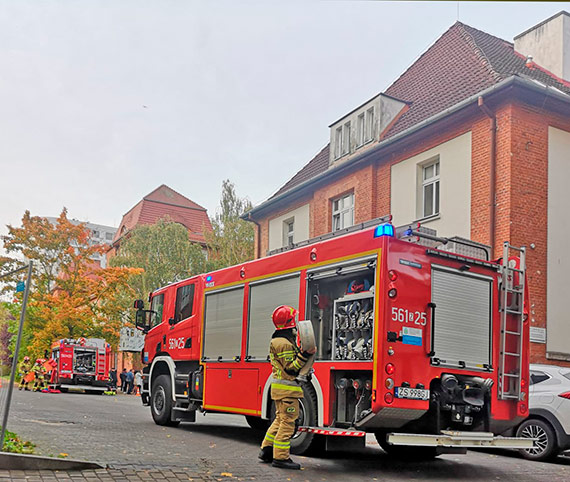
pixel 492 173
pixel 258 249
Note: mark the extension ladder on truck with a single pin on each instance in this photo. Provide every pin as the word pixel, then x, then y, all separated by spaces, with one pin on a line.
pixel 511 301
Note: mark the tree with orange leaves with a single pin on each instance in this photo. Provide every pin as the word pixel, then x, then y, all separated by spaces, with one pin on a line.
pixel 71 295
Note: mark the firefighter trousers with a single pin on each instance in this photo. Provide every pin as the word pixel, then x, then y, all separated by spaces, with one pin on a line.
pixel 23 382
pixel 282 429
pixel 39 384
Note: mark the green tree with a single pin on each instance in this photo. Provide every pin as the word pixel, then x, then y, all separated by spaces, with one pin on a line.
pixel 165 253
pixel 70 295
pixel 231 240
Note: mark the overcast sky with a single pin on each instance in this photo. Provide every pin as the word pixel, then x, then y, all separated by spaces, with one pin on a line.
pixel 103 101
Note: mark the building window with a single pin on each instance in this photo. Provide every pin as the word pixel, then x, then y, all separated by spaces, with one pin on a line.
pixel 343 212
pixel 346 138
pixel 95 234
pixel 369 124
pixel 361 126
pixel 109 236
pixel 430 189
pixel 338 142
pixel 288 232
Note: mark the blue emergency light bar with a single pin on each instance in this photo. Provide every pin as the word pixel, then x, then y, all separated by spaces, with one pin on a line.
pixel 209 278
pixel 385 229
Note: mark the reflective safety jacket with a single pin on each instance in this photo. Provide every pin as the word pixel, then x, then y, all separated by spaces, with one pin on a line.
pixel 286 361
pixel 24 367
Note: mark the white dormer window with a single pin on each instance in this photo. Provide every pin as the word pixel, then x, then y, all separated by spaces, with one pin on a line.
pixel 346 138
pixel 361 127
pixel 369 125
pixel 338 142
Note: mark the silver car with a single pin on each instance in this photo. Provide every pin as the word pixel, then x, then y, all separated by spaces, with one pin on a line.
pixel 549 417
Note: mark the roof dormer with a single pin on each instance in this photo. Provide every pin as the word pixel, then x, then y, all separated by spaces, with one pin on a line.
pixel 363 127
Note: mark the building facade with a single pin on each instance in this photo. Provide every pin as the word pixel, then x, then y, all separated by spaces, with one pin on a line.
pixel 472 140
pixel 99 234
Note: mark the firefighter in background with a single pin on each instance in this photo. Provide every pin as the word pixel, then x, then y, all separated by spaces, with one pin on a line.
pixel 39 371
pixel 286 362
pixel 24 368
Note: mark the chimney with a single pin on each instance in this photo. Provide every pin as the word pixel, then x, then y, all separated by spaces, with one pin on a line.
pixel 548 44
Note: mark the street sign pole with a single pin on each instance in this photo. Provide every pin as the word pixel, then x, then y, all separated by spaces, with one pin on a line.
pixel 15 358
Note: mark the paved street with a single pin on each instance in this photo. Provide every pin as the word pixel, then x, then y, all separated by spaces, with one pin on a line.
pixel 119 431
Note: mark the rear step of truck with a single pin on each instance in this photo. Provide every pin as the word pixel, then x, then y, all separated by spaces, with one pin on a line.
pixel 332 431
pixel 449 438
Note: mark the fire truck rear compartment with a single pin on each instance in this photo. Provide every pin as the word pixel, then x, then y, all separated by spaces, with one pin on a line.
pixel 84 361
pixel 353 397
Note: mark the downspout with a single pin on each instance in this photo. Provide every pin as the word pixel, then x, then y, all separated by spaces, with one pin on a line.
pixel 258 248
pixel 492 173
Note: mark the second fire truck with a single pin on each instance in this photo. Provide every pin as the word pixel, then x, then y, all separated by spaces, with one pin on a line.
pixel 422 343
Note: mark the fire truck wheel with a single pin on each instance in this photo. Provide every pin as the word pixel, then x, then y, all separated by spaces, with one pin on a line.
pixel 161 401
pixel 545 446
pixel 257 423
pixel 401 451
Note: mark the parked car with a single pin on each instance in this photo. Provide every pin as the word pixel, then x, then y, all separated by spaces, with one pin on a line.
pixel 549 414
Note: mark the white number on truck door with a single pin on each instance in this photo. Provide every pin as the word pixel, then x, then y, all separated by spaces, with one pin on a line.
pixel 406 316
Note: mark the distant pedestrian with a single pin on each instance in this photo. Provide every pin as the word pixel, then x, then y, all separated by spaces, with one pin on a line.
pixel 123 376
pixel 113 379
pixel 138 382
pixel 130 381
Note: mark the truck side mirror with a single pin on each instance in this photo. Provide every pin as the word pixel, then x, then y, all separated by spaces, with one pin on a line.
pixel 141 322
pixel 139 304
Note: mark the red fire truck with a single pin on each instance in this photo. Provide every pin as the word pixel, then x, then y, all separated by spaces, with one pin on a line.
pixel 423 343
pixel 81 363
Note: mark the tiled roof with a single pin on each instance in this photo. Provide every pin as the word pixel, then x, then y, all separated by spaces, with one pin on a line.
pixel 163 202
pixel 461 63
pixel 316 165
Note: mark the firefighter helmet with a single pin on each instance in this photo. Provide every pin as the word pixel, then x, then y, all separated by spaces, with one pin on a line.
pixel 26 358
pixel 284 317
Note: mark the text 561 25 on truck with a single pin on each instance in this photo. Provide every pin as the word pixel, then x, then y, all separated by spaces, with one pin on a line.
pixel 423 343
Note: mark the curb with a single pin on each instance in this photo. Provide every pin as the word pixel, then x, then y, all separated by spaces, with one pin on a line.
pixel 9 461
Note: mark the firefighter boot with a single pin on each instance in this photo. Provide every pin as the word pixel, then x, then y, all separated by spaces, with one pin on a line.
pixel 286 464
pixel 266 454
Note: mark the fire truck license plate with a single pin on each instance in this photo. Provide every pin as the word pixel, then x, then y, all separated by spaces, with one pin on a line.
pixel 413 393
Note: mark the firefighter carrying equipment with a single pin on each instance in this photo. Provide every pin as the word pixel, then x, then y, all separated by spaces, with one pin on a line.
pixel 39 371
pixel 24 368
pixel 286 362
pixel 284 317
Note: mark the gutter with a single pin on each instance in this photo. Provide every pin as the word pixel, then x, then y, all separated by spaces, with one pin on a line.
pixel 511 81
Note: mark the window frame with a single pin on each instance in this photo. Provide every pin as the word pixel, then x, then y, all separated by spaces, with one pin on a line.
pixel 369 125
pixel 346 132
pixel 361 128
pixel 153 317
pixel 177 311
pixel 434 181
pixel 338 214
pixel 338 142
pixel 288 234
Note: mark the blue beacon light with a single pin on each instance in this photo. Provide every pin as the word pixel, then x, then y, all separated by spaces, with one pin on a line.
pixel 385 229
pixel 209 278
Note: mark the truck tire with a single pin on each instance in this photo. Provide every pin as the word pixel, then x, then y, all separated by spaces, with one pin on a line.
pixel 161 401
pixel 257 423
pixel 303 442
pixel 402 451
pixel 546 446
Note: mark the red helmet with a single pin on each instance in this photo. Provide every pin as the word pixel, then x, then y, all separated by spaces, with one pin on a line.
pixel 26 358
pixel 284 317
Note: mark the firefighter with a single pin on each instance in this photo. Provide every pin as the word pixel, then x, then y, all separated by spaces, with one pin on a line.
pixel 286 362
pixel 39 370
pixel 24 368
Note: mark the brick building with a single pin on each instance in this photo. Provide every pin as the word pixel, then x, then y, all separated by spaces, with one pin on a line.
pixel 473 139
pixel 162 202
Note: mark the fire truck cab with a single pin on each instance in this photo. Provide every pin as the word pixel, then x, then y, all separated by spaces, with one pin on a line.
pixel 81 363
pixel 421 340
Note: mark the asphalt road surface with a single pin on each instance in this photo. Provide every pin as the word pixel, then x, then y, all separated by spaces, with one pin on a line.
pixel 119 432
